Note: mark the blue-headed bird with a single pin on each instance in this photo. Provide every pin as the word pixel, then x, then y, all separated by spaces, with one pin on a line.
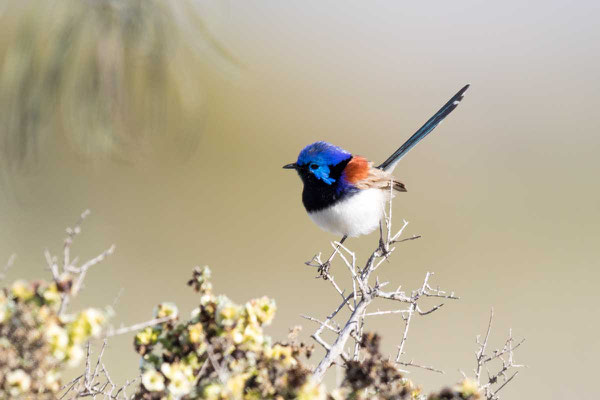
pixel 346 194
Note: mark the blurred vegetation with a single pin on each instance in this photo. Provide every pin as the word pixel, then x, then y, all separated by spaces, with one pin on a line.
pixel 36 342
pixel 220 352
pixel 108 76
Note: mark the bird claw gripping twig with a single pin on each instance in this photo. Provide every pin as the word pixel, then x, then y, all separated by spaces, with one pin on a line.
pixel 323 270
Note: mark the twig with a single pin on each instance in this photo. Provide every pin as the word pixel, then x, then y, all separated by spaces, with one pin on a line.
pixel 481 352
pixel 91 384
pixel 9 264
pixel 482 359
pixel 412 364
pixel 363 293
pixel 82 271
pixel 221 372
pixel 139 326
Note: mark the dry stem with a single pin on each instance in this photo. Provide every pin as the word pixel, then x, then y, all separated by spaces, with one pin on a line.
pixel 362 295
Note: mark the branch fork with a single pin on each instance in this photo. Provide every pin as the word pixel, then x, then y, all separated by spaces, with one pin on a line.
pixel 362 294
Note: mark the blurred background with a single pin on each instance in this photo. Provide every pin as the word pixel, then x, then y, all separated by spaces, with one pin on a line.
pixel 171 121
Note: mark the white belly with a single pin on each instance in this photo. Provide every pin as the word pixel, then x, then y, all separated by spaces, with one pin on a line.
pixel 357 215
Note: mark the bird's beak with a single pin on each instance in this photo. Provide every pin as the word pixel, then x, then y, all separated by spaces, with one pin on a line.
pixel 290 166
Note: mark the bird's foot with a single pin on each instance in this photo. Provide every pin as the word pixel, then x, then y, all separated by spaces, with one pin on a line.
pixel 323 270
pixel 383 249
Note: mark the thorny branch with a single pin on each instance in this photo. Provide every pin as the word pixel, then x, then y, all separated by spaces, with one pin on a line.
pixel 95 381
pixel 68 276
pixel 362 295
pixel 496 381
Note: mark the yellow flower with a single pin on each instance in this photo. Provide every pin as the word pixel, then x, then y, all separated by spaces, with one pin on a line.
pixel 264 309
pixel 196 333
pixel 206 299
pixel 468 387
pixel 416 393
pixel 192 361
pixel 253 335
pixel 283 354
pixel 22 290
pixel 179 384
pixel 44 312
pixel 171 370
pixel 95 319
pixel 18 382
pixel 166 310
pixel 251 314
pixel 58 339
pixel 227 311
pixel 77 331
pixel 146 337
pixel 237 335
pixel 153 381
pixel 88 323
pixel 52 295
pixel 212 391
pixel 312 390
pixel 235 385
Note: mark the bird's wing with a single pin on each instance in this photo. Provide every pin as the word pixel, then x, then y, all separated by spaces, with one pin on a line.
pixel 363 175
pixel 390 163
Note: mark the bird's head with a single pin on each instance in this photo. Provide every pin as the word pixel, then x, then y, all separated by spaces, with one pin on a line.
pixel 320 164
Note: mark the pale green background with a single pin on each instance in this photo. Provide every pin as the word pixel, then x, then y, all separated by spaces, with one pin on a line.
pixel 505 192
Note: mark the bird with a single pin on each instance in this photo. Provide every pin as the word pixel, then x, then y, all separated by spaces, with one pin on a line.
pixel 345 194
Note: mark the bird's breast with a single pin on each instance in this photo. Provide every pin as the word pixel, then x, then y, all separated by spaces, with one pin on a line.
pixel 354 215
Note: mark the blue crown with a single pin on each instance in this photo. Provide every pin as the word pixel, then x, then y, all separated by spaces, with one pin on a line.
pixel 322 153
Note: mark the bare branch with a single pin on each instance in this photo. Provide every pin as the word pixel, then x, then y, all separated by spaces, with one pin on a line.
pixel 483 359
pixel 363 293
pixel 334 330
pixel 481 352
pixel 84 268
pixel 82 271
pixel 412 364
pixel 9 264
pixel 94 382
pixel 140 326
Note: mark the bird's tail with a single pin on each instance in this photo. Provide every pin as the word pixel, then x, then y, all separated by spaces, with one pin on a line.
pixel 390 163
pixel 399 186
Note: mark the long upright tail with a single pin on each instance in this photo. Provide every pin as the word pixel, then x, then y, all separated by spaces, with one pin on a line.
pixel 391 162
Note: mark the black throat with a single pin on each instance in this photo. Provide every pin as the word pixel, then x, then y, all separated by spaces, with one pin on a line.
pixel 317 194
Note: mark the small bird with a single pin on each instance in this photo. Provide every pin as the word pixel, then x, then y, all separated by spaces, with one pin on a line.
pixel 344 193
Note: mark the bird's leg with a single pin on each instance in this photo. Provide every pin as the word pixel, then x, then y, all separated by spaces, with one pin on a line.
pixel 383 245
pixel 323 269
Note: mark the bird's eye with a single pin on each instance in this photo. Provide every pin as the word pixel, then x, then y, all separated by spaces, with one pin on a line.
pixel 314 166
